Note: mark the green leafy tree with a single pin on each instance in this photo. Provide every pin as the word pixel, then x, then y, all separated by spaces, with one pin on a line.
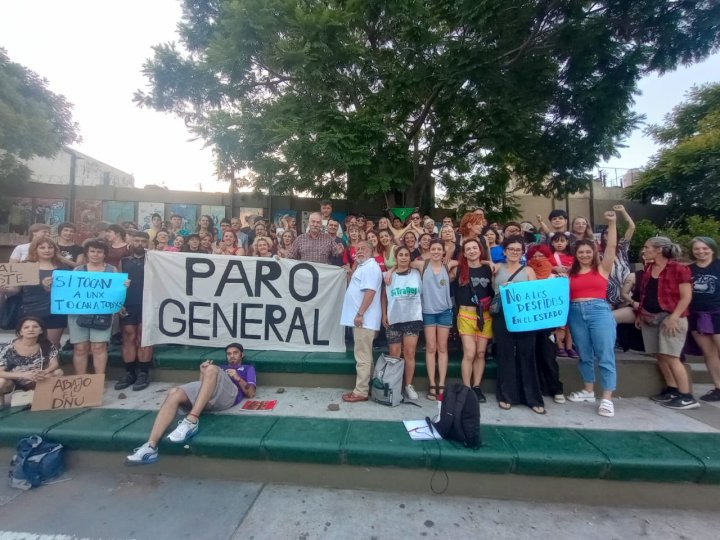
pixel 685 173
pixel 33 120
pixel 368 97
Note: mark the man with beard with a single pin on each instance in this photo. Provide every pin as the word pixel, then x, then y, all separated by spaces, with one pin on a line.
pixel 134 356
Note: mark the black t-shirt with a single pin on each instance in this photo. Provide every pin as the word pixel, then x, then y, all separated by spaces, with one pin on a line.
pixel 71 252
pixel 705 287
pixel 481 279
pixel 651 304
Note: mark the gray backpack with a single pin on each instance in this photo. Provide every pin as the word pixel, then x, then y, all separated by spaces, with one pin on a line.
pixel 386 384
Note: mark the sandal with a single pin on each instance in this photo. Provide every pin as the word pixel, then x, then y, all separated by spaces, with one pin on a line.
pixel 504 406
pixel 538 409
pixel 432 393
pixel 606 408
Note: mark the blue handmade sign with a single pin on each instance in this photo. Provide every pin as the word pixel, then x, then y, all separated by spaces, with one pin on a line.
pixel 87 293
pixel 535 305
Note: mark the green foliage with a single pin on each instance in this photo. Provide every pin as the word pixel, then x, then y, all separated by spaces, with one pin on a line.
pixel 686 171
pixel 695 226
pixel 644 229
pixel 33 120
pixel 368 97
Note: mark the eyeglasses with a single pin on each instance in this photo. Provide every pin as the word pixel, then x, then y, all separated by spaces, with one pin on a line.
pixel 416 217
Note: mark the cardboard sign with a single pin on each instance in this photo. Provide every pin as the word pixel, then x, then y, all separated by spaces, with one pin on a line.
pixel 19 274
pixel 535 305
pixel 69 392
pixel 87 293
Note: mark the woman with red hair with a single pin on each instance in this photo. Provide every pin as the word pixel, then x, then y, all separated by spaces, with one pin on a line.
pixel 473 296
pixel 540 259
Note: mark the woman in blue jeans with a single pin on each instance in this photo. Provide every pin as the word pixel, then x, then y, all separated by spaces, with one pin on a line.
pixel 591 321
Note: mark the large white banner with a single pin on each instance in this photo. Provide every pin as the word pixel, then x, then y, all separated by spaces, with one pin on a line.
pixel 266 304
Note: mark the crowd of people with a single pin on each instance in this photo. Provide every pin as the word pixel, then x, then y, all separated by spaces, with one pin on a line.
pixel 413 279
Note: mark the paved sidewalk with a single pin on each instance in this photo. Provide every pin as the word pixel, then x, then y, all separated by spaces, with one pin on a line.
pixel 638 414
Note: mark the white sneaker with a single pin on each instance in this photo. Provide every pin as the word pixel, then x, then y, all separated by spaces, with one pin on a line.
pixel 559 398
pixel 582 396
pixel 143 455
pixel 606 408
pixel 184 431
pixel 410 392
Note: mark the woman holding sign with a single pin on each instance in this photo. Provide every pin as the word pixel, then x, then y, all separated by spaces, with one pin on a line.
pixel 517 375
pixel 28 359
pixel 35 300
pixel 591 322
pixel 85 339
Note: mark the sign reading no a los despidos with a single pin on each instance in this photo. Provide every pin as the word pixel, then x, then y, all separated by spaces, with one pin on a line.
pixel 535 305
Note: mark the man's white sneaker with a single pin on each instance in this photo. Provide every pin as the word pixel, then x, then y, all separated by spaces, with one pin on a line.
pixel 184 431
pixel 410 392
pixel 582 396
pixel 143 455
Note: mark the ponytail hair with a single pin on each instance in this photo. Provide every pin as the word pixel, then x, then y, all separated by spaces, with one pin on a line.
pixel 666 247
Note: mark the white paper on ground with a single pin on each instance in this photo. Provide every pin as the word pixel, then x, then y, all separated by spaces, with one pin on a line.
pixel 420 431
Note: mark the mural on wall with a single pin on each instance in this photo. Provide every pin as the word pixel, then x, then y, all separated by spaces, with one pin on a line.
pixel 245 211
pixel 215 212
pixel 49 211
pixel 15 217
pixel 87 214
pixel 285 219
pixel 118 212
pixel 189 213
pixel 145 212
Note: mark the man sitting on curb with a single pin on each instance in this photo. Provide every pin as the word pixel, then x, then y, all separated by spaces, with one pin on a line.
pixel 219 388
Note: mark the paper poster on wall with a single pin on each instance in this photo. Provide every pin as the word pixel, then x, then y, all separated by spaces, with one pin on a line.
pixel 119 212
pixel 245 212
pixel 215 212
pixel 16 215
pixel 285 219
pixel 145 212
pixel 49 211
pixel 535 305
pixel 189 213
pixel 87 293
pixel 86 215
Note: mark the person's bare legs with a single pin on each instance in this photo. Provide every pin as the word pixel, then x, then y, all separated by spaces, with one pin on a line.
pixel 469 345
pixel 100 356
pixel 478 366
pixel 710 346
pixel 208 382
pixel 175 399
pixel 666 371
pixel 6 387
pixel 129 343
pixel 80 357
pixel 54 335
pixel 442 351
pixel 430 352
pixel 677 370
pixel 409 347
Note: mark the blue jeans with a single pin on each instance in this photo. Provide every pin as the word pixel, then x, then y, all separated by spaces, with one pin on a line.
pixel 593 330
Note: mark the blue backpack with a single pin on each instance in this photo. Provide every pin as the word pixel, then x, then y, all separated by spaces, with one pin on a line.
pixel 36 461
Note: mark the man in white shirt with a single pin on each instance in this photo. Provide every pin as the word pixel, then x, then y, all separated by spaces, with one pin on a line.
pixel 36 230
pixel 363 312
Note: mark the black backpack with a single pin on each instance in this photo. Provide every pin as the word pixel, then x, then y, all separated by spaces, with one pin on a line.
pixel 460 416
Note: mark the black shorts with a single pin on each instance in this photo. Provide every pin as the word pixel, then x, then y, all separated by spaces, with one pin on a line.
pixel 133 317
pixel 396 332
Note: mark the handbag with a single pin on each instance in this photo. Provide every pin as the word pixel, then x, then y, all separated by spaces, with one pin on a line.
pixel 496 304
pixel 94 322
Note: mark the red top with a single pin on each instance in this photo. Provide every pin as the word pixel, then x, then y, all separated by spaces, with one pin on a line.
pixel 669 282
pixel 589 285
